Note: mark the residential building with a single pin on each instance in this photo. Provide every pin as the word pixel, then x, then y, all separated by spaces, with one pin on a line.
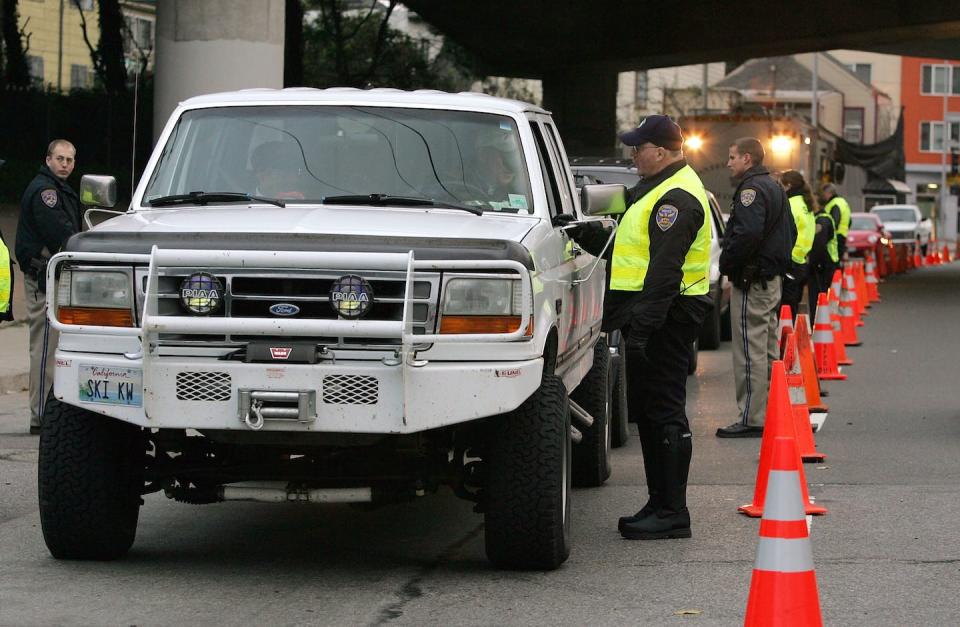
pixel 931 102
pixel 58 55
pixel 644 92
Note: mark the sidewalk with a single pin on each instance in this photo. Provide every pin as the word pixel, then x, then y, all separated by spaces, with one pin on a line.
pixel 14 357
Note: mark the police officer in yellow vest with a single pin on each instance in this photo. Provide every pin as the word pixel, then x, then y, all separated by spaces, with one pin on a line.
pixel 824 257
pixel 839 209
pixel 658 296
pixel 802 206
pixel 6 282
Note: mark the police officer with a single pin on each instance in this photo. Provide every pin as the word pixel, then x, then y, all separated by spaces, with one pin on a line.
pixel 824 257
pixel 49 215
pixel 6 282
pixel 756 254
pixel 839 209
pixel 802 206
pixel 658 298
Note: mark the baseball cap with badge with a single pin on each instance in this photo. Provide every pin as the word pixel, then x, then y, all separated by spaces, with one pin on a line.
pixel 659 130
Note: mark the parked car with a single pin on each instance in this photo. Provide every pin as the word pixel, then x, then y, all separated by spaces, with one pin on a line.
pixel 866 233
pixel 590 171
pixel 905 223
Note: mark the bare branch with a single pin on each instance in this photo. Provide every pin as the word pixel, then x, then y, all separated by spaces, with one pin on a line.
pixel 381 38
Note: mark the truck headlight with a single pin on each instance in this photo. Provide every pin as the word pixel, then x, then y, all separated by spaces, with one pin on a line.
pixel 95 297
pixel 483 305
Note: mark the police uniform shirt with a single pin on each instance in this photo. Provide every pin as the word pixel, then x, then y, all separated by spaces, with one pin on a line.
pixel 757 200
pixel 49 215
pixel 647 309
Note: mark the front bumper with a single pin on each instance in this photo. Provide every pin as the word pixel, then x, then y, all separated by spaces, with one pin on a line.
pixel 350 396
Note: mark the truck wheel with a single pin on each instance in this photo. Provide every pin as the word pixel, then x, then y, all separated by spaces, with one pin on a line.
pixel 527 494
pixel 620 419
pixel 710 331
pixel 591 457
pixel 91 472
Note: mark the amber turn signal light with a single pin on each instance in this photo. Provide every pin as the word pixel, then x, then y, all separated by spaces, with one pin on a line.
pixel 95 316
pixel 456 325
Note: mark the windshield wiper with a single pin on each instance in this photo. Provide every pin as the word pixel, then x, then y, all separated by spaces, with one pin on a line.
pixel 202 198
pixel 381 200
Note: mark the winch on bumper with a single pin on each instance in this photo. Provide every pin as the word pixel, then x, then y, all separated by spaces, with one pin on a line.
pixel 396 394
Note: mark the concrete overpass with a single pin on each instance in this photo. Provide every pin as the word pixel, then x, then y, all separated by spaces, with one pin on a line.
pixel 575 48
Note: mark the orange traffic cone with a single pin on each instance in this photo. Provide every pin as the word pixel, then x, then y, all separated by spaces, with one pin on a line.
pixel 946 254
pixel 872 281
pixel 809 367
pixel 798 402
pixel 823 344
pixel 783 588
pixel 881 265
pixel 917 259
pixel 778 422
pixel 838 344
pixel 784 325
pixel 860 282
pixel 848 312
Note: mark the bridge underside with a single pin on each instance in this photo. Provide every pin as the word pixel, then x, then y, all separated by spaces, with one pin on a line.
pixel 577 48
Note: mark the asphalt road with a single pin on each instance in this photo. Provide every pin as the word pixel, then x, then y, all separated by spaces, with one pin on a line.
pixel 887 553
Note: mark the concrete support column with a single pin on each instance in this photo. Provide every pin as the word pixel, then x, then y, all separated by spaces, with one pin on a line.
pixel 583 100
pixel 207 46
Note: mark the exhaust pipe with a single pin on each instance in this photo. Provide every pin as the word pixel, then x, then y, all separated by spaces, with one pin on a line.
pixel 580 415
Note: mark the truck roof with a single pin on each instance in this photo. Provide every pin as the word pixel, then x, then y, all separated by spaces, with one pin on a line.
pixel 377 97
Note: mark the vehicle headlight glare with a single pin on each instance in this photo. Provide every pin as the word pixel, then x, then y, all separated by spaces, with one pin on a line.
pixel 872 239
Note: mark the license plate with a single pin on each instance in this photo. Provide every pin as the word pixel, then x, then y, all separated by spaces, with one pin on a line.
pixel 111 386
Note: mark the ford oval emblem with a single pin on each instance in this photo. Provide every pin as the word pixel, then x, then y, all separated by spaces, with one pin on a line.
pixel 284 309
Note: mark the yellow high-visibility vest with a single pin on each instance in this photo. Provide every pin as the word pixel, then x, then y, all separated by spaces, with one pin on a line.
pixel 806 227
pixel 631 248
pixel 5 278
pixel 844 206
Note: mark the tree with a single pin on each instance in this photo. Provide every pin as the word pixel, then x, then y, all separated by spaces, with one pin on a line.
pixel 360 49
pixel 107 57
pixel 16 73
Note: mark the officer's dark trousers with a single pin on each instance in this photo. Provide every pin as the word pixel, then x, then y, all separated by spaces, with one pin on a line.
pixel 657 399
pixel 793 284
pixel 818 282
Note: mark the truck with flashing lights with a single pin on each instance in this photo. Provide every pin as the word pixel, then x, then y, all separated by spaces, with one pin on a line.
pixel 333 296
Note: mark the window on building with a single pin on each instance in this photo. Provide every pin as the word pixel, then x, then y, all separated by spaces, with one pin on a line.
pixel 931 136
pixel 139 34
pixel 640 89
pixel 35 65
pixel 936 79
pixel 79 77
pixel 853 124
pixel 862 70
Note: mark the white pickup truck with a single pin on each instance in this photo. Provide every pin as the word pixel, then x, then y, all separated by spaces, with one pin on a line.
pixel 332 296
pixel 905 224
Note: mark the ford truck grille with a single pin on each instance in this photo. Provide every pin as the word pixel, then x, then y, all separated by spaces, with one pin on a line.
pixel 250 294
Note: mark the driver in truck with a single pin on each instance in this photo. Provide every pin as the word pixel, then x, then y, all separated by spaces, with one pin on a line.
pixel 278 166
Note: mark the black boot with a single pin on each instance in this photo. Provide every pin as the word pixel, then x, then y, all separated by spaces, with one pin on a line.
pixel 671 519
pixel 649 442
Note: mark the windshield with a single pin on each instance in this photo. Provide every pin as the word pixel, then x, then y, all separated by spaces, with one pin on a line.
pixel 863 223
pixel 305 153
pixel 895 215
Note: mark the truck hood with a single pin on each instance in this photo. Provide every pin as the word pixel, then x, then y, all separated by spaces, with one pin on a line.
pixel 900 226
pixel 354 220
pixel 433 234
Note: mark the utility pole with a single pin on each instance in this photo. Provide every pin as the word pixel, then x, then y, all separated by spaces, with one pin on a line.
pixel 60 51
pixel 941 220
pixel 814 120
pixel 706 90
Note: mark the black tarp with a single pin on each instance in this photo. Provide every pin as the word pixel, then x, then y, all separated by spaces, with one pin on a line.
pixel 883 160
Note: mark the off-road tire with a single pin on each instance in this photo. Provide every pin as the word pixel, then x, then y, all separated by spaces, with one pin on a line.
pixel 90 474
pixel 710 332
pixel 591 457
pixel 619 416
pixel 527 492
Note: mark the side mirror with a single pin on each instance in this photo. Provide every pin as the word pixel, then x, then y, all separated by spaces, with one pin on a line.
pixel 603 200
pixel 98 191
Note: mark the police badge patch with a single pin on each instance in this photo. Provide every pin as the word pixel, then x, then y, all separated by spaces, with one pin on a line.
pixel 666 216
pixel 747 196
pixel 49 197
